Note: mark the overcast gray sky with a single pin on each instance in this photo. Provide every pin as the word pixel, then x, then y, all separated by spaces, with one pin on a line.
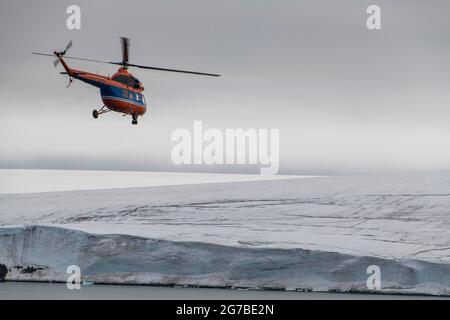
pixel 345 99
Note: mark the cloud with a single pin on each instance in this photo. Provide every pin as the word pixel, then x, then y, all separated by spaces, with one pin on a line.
pixel 344 98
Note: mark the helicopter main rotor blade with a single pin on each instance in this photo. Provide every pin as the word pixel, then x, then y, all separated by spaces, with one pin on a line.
pixel 73 58
pixel 43 54
pixel 55 62
pixel 125 49
pixel 133 65
pixel 90 60
pixel 174 70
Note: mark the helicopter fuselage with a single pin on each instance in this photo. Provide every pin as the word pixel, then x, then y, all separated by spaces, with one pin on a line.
pixel 120 93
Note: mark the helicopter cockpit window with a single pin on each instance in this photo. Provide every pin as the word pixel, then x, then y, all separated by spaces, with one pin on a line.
pixel 129 81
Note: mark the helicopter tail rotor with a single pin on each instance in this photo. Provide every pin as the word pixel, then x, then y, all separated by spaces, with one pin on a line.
pixel 69 45
pixel 62 53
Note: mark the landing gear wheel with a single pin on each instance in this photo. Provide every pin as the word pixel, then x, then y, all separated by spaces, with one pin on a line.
pixel 134 122
pixel 95 114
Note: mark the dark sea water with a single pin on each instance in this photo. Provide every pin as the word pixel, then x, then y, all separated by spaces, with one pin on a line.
pixel 43 291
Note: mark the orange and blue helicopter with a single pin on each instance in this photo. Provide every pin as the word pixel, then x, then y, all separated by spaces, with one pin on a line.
pixel 120 93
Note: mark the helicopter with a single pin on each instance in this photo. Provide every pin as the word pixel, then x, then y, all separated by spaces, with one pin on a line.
pixel 122 92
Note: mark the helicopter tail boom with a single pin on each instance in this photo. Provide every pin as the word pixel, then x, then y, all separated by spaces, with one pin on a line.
pixel 70 72
pixel 90 78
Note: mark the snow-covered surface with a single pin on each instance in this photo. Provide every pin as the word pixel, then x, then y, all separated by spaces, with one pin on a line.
pixel 319 233
pixel 32 181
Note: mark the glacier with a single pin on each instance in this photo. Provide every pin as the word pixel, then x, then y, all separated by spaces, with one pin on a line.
pixel 308 234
